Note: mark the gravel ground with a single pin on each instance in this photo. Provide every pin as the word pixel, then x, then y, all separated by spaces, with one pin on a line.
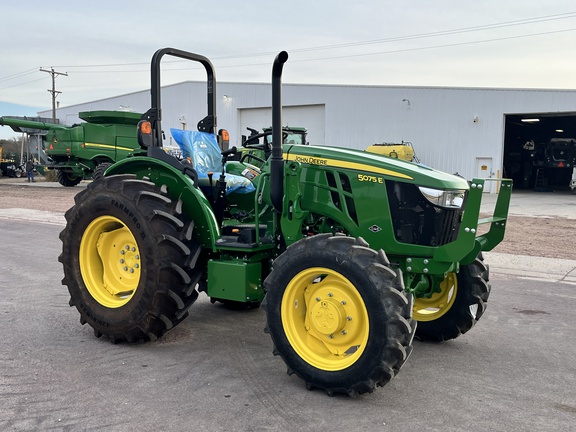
pixel 551 237
pixel 56 199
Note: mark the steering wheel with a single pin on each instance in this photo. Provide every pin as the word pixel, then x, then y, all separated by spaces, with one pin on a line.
pixel 251 156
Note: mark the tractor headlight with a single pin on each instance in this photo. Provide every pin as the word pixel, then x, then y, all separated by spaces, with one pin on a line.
pixel 444 198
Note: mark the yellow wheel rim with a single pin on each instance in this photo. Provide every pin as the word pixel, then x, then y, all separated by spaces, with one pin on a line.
pixel 430 309
pixel 325 319
pixel 110 261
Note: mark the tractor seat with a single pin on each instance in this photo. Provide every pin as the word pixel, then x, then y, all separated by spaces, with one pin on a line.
pixel 201 149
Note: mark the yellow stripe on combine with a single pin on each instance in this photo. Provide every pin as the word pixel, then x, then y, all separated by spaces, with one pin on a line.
pixel 108 146
pixel 320 161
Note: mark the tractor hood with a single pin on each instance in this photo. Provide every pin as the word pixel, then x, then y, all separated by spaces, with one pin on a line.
pixel 371 164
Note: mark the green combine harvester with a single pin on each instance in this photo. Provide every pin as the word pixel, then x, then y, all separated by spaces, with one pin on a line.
pixel 84 151
pixel 351 254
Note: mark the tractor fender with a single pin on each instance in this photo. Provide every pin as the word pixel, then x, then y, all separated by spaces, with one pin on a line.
pixel 179 186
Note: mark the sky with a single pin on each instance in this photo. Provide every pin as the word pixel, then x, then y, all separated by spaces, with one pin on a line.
pixel 105 47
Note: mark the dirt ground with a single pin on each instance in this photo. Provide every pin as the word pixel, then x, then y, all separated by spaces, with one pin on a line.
pixel 541 237
pixel 533 236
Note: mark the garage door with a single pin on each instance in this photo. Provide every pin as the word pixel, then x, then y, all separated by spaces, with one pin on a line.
pixel 309 116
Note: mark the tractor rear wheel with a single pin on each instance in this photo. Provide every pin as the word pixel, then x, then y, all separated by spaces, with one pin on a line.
pixel 456 306
pixel 68 179
pixel 129 261
pixel 338 315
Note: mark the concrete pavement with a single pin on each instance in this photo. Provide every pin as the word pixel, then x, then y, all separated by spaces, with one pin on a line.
pixel 549 269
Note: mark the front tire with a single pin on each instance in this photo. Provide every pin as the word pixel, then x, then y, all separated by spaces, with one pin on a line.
pixel 338 315
pixel 129 261
pixel 456 306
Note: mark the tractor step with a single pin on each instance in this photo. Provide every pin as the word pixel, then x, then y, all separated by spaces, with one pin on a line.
pixel 244 237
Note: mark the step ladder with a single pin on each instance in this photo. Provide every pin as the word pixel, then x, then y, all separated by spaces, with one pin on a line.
pixel 541 182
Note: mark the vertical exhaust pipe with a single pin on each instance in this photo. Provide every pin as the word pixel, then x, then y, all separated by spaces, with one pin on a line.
pixel 277 159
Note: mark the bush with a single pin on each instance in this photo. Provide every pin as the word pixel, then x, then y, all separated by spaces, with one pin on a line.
pixel 50 175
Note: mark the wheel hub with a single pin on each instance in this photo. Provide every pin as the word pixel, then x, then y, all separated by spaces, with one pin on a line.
pixel 328 316
pixel 438 303
pixel 325 318
pixel 110 261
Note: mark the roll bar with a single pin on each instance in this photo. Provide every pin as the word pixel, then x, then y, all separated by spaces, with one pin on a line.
pixel 154 114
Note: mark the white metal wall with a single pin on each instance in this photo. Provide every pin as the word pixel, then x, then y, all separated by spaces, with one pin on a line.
pixel 309 116
pixel 450 128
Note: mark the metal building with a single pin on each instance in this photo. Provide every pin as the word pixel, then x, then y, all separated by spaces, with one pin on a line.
pixel 478 132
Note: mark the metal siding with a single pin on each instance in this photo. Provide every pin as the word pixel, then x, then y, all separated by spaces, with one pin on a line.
pixel 438 121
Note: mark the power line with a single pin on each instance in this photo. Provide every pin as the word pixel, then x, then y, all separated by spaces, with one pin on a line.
pixel 351 55
pixel 27 82
pixel 447 32
pixel 504 24
pixel 18 75
pixel 437 46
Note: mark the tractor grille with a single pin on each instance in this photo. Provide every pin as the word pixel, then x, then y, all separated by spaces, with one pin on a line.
pixel 341 193
pixel 415 220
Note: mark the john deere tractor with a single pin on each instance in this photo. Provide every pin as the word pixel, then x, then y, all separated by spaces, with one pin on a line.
pixel 346 250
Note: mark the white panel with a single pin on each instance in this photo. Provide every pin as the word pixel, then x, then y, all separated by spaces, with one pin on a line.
pixel 309 116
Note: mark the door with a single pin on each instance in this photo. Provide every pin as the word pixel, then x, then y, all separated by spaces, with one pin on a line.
pixel 484 170
pixel 311 117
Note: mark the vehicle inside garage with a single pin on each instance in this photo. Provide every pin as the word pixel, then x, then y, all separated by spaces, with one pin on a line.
pixel 540 150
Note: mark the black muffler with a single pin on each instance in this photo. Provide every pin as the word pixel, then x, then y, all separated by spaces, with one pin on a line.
pixel 277 159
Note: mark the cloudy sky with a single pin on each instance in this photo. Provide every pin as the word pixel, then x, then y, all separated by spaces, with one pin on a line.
pixel 105 47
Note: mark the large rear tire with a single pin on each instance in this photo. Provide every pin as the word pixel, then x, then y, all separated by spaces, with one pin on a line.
pixel 338 315
pixel 456 306
pixel 129 261
pixel 68 179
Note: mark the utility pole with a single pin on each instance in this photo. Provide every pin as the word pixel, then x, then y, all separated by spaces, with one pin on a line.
pixel 55 93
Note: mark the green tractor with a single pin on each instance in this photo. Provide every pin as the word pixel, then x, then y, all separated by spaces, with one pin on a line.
pixel 346 250
pixel 257 147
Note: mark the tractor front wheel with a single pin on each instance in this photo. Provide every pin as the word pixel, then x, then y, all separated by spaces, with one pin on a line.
pixel 457 303
pixel 338 315
pixel 129 259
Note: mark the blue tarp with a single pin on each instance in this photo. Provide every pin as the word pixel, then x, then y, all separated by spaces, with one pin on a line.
pixel 204 153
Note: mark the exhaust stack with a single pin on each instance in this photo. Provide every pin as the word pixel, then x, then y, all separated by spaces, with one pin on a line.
pixel 277 159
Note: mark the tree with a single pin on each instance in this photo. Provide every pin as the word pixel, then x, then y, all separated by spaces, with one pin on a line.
pixel 11 148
